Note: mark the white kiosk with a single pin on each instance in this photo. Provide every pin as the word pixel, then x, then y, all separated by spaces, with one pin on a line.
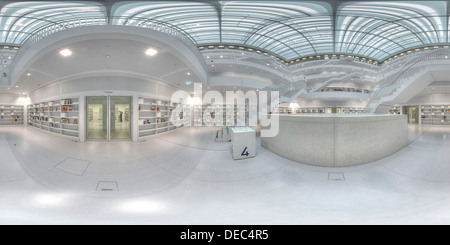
pixel 243 140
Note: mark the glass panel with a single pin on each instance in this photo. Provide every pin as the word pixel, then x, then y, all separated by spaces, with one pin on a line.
pixel 20 19
pixel 413 114
pixel 97 118
pixel 198 21
pixel 120 108
pixel 380 28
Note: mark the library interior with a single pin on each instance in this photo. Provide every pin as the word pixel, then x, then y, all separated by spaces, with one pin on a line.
pixel 225 112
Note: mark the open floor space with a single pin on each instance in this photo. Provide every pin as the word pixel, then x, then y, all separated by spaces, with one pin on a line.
pixel 186 177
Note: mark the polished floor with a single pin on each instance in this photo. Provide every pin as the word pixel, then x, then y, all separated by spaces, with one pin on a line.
pixel 185 177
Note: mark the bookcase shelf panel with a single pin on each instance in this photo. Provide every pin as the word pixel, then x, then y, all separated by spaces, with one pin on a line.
pixel 435 115
pixel 12 114
pixel 155 116
pixel 58 117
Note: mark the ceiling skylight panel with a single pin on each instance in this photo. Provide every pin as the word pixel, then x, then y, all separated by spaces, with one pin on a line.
pixel 194 18
pixel 26 17
pixel 288 7
pixel 263 12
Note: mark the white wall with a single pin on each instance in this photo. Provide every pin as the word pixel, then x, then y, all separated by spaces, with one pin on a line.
pixel 431 99
pixel 11 99
pixel 101 85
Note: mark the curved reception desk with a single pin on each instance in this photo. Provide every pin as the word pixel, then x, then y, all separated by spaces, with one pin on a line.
pixel 337 140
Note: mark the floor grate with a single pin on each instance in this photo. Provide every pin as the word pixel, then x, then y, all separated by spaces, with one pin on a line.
pixel 336 176
pixel 107 186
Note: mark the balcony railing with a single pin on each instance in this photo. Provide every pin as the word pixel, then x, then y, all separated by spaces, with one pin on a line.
pixel 410 69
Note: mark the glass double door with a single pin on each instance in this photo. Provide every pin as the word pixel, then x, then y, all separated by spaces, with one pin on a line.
pixel 108 118
pixel 413 114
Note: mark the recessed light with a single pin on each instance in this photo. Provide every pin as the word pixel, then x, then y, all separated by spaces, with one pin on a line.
pixel 28 74
pixel 9 57
pixel 221 56
pixel 9 88
pixel 151 52
pixel 108 56
pixel 65 52
pixel 188 73
pixel 17 86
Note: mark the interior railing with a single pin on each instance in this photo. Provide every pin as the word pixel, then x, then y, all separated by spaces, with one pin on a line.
pixel 409 69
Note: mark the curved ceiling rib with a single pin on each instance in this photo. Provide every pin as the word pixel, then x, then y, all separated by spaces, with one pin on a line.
pixel 380 28
pixel 289 29
pixel 19 20
pixel 199 21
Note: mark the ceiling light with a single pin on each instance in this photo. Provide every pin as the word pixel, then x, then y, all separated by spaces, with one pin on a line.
pixel 221 56
pixel 108 56
pixel 65 52
pixel 28 74
pixel 9 88
pixel 9 57
pixel 188 73
pixel 17 86
pixel 151 52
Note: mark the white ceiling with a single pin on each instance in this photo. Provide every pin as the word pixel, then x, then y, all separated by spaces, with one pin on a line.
pixel 434 90
pixel 103 55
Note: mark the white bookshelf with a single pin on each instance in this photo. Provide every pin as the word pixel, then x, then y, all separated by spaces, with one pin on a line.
pixel 289 110
pixel 155 116
pixel 58 116
pixel 352 109
pixel 11 115
pixel 307 110
pixel 396 110
pixel 220 116
pixel 435 114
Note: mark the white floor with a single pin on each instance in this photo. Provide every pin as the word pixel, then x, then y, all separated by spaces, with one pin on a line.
pixel 185 177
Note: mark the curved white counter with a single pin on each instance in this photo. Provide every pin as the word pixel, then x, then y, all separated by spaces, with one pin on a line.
pixel 338 140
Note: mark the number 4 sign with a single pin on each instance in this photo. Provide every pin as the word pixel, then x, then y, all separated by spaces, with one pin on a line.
pixel 245 152
pixel 243 140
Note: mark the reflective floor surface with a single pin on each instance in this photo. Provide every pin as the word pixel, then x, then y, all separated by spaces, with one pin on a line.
pixel 185 177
